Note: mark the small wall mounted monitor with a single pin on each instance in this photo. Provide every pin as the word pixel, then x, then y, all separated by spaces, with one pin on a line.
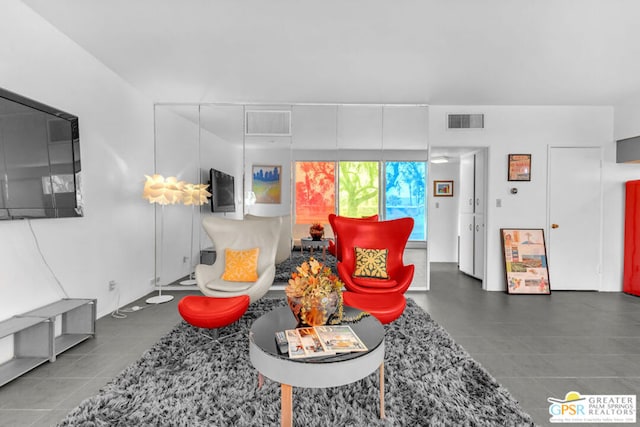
pixel 222 191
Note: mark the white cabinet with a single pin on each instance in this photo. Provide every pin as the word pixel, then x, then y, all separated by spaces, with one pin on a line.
pixel 478 246
pixel 478 181
pixel 467 170
pixel 472 224
pixel 465 256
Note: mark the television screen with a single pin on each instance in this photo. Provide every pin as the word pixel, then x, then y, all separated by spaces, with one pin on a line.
pixel 222 191
pixel 39 160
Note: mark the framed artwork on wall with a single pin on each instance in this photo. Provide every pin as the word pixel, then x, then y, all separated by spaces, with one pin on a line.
pixel 443 188
pixel 519 167
pixel 525 261
pixel 267 183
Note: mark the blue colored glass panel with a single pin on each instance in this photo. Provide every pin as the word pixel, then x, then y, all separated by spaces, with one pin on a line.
pixel 405 194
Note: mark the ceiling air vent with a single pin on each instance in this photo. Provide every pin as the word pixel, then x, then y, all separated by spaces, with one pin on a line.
pixel 268 122
pixel 465 121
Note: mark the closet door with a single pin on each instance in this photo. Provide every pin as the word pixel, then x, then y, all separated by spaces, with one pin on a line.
pixel 466 249
pixel 478 246
pixel 467 178
pixel 479 180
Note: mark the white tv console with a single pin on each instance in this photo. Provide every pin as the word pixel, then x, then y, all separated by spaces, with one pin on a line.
pixel 34 334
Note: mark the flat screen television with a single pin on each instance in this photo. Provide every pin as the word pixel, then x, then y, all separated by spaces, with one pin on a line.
pixel 222 191
pixel 39 160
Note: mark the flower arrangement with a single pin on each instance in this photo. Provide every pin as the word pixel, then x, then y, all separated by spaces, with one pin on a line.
pixel 314 293
pixel 316 231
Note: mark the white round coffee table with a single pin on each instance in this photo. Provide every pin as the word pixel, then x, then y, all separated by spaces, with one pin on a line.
pixel 331 371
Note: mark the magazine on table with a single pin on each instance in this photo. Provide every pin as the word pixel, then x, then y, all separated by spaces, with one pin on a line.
pixel 319 341
pixel 340 338
pixel 305 342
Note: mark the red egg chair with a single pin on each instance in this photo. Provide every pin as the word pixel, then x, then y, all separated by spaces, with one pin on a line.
pixel 391 235
pixel 334 247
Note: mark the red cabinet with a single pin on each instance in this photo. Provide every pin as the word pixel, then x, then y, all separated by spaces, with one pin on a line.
pixel 631 278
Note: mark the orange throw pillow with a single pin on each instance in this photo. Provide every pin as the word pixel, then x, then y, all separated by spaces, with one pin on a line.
pixel 241 266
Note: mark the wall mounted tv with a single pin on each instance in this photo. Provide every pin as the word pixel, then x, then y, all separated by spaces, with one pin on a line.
pixel 222 191
pixel 39 160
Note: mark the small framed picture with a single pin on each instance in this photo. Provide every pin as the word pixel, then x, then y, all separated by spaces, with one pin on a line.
pixel 519 167
pixel 443 188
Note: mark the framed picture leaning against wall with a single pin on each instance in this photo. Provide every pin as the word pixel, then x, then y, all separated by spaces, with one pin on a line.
pixel 525 261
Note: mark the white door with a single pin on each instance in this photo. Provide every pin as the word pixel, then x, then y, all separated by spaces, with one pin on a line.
pixel 478 246
pixel 480 167
pixel 467 182
pixel 465 262
pixel 574 236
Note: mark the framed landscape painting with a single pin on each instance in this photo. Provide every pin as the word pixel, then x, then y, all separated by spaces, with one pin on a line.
pixel 267 183
pixel 525 261
pixel 443 188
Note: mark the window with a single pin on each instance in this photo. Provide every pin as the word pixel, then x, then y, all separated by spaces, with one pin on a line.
pixel 359 195
pixel 358 189
pixel 315 191
pixel 405 194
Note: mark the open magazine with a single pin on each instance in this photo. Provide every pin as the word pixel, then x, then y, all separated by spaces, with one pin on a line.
pixel 322 341
pixel 305 342
pixel 340 339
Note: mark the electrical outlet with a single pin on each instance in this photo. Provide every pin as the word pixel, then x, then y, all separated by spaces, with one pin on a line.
pixel 185 259
pixel 112 285
pixel 153 282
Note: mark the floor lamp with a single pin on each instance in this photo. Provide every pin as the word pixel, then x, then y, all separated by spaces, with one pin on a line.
pixel 194 195
pixel 162 191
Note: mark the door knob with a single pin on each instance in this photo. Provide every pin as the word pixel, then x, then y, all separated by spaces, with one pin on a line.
pixel 554 226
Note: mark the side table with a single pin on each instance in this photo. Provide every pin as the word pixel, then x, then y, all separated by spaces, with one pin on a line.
pixel 331 371
pixel 308 242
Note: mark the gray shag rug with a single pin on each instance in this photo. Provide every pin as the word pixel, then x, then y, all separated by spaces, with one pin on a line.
pixel 188 380
pixel 285 268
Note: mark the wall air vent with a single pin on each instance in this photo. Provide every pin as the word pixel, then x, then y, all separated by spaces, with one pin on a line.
pixel 628 150
pixel 267 122
pixel 465 121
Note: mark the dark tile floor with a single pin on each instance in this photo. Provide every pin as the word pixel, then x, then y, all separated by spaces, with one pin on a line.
pixel 536 346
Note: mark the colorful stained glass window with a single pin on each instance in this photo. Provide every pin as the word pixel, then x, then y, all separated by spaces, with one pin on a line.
pixel 358 189
pixel 405 194
pixel 315 191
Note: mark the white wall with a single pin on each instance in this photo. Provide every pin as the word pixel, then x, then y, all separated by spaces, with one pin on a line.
pixel 114 240
pixel 443 214
pixel 514 129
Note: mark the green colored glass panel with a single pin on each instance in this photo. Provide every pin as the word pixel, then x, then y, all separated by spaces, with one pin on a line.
pixel 358 189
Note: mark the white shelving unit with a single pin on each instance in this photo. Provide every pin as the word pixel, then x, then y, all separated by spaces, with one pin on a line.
pixel 32 345
pixel 34 334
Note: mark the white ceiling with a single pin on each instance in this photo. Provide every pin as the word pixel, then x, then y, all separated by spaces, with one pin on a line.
pixel 489 52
